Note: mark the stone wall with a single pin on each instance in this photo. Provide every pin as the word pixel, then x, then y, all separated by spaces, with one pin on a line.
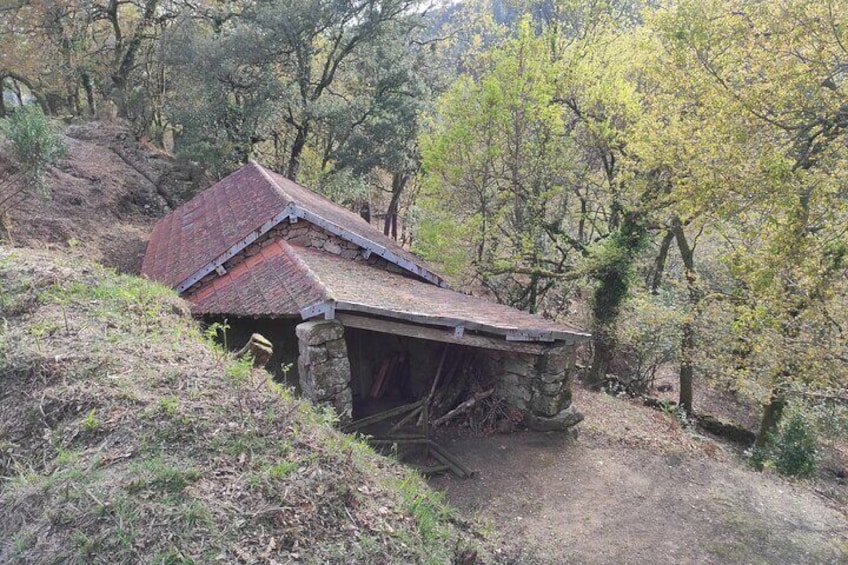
pixel 323 365
pixel 540 386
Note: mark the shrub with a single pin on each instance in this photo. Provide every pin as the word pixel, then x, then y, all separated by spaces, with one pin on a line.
pixel 35 143
pixel 797 448
pixel 792 451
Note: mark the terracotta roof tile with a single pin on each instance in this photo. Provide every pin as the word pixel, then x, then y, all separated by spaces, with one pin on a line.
pixel 284 279
pixel 268 284
pixel 203 229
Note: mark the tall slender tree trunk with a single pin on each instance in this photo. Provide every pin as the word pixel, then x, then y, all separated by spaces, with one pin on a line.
pixel 659 264
pixel 688 341
pixel 399 181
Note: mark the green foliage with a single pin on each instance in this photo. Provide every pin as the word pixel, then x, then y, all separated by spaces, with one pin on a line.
pixel 649 332
pixel 90 423
pixel 35 143
pixel 308 88
pixel 793 450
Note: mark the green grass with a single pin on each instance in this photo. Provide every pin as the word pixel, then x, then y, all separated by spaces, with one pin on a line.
pixel 138 441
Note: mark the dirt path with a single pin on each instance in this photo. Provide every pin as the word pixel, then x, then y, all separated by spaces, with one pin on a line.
pixel 598 500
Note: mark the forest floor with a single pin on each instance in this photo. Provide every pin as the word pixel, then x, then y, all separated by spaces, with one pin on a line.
pixel 635 486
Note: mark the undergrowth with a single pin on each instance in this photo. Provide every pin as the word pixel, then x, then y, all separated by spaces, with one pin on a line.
pixel 127 436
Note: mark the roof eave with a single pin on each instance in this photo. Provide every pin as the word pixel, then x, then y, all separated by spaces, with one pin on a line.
pixel 328 310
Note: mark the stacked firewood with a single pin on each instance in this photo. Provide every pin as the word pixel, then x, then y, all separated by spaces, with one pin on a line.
pixel 461 389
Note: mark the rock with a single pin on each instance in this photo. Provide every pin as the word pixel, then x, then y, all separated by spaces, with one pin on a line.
pixel 313 355
pixel 317 332
pixel 336 349
pixel 546 405
pixel 332 247
pixel 562 421
pixel 557 361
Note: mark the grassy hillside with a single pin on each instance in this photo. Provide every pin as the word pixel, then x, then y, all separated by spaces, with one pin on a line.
pixel 126 437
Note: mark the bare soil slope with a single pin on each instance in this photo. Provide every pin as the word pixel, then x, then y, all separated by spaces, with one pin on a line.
pixel 635 487
pixel 105 196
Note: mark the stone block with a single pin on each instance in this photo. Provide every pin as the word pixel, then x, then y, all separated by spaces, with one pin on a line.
pixel 550 389
pixel 515 393
pixel 336 349
pixel 561 421
pixel 332 247
pixel 314 355
pixel 520 364
pixel 558 360
pixel 350 254
pixel 343 405
pixel 513 379
pixel 546 405
pixel 303 240
pixel 317 332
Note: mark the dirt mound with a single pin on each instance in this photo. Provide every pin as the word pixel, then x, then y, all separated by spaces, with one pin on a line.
pixel 105 196
pixel 125 437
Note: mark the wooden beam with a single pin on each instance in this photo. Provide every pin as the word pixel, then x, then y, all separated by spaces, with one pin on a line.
pixel 379 417
pixel 435 334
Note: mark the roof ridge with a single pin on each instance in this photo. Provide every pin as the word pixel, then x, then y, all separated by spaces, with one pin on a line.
pixel 295 258
pixel 270 180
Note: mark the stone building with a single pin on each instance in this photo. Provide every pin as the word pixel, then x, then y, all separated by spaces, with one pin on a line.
pixel 336 298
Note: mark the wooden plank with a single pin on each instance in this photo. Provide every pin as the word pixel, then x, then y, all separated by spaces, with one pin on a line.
pixel 464 407
pixel 406 420
pixel 514 334
pixel 448 459
pixel 379 381
pixel 434 470
pixel 435 334
pixel 375 418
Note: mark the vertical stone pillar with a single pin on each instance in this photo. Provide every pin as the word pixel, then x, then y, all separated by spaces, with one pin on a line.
pixel 323 365
pixel 540 386
pixel 552 381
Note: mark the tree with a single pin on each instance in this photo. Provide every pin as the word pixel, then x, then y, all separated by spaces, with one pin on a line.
pixel 281 73
pixel 759 90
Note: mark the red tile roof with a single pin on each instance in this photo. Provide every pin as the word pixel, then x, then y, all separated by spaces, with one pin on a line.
pixel 198 234
pixel 283 279
pixel 274 282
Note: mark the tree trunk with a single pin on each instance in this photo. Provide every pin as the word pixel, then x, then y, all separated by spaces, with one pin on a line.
pixel 659 264
pixel 399 181
pixel 688 342
pixel 604 345
pixel 772 413
pixel 610 294
pixel 297 151
pixel 687 369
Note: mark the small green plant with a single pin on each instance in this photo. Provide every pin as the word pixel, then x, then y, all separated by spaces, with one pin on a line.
pixel 169 405
pixel 282 470
pixel 239 370
pixel 797 448
pixel 90 423
pixel 427 508
pixel 212 334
